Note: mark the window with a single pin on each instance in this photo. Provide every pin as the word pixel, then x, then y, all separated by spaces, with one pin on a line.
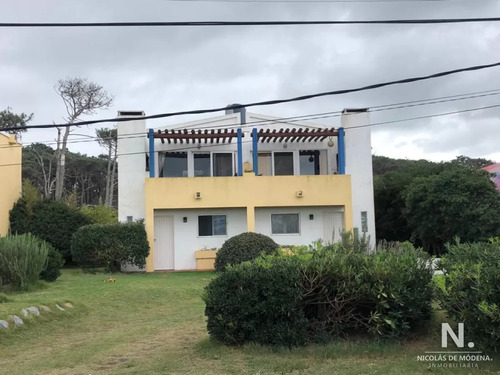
pixel 202 164
pixel 173 164
pixel 212 225
pixel 223 164
pixel 283 163
pixel 309 162
pixel 285 223
pixel 264 163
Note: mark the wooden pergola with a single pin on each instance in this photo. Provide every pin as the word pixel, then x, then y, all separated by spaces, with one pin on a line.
pixel 196 136
pixel 295 135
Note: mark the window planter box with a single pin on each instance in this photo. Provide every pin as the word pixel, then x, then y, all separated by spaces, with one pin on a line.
pixel 205 259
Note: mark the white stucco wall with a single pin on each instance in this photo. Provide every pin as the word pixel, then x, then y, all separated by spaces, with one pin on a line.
pixel 186 239
pixel 310 230
pixel 132 169
pixel 358 164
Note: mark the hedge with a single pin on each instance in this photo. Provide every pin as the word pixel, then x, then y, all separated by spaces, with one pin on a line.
pixel 472 291
pixel 110 246
pixel 328 295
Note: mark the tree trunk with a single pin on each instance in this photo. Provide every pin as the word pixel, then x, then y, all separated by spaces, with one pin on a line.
pixel 61 164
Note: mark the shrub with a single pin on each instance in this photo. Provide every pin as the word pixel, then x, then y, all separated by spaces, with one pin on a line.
pixel 242 248
pixel 22 259
pixel 4 298
pixel 53 222
pixel 110 246
pixel 100 214
pixel 55 261
pixel 326 294
pixel 472 290
pixel 257 302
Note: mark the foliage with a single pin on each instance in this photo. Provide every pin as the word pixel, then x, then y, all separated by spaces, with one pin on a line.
pixel 389 189
pixel 12 120
pixel 243 247
pixel 53 222
pixel 4 298
pixel 22 259
pixel 100 214
pixel 38 167
pixel 110 246
pixel 108 138
pixel 472 163
pixel 338 291
pixel 472 290
pixel 55 261
pixel 457 202
pixel 257 302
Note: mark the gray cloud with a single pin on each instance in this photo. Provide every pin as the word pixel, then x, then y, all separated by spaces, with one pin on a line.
pixel 171 69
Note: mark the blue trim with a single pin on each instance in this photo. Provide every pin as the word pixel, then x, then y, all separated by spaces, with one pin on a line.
pixel 240 152
pixel 255 151
pixel 151 153
pixel 341 166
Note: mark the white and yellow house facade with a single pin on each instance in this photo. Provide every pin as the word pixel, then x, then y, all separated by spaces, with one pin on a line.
pixel 10 177
pixel 197 184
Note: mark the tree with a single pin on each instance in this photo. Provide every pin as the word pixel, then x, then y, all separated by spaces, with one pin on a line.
pixel 80 97
pixel 389 188
pixel 474 163
pixel 12 120
pixel 459 202
pixel 108 138
pixel 39 167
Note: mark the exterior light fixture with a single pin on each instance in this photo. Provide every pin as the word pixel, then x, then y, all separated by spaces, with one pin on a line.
pixel 285 145
pixel 330 142
pixel 197 195
pixel 299 194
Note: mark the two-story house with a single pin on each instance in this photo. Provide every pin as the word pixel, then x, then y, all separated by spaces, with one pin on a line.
pixel 197 184
pixel 10 177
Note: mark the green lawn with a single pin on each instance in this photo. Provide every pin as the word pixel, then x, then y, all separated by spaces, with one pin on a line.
pixel 154 324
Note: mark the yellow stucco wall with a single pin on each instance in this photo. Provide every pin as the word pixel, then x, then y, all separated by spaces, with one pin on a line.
pixel 10 178
pixel 248 192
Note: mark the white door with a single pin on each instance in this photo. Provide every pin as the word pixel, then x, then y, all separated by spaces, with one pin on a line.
pixel 333 225
pixel 164 243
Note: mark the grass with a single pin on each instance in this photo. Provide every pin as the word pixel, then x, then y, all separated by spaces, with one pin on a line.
pixel 155 324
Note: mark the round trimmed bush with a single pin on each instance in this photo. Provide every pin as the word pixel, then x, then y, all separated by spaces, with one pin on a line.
pixel 55 261
pixel 242 248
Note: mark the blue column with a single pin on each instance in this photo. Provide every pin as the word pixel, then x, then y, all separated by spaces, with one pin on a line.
pixel 341 166
pixel 151 153
pixel 240 151
pixel 255 141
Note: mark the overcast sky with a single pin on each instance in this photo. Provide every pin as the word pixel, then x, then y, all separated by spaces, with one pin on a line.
pixel 173 69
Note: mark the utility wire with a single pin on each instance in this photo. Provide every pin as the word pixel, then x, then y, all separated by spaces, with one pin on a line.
pixel 195 146
pixel 264 103
pixel 423 21
pixel 310 1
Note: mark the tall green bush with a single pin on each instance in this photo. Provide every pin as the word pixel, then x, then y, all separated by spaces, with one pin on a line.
pixel 242 248
pixel 110 246
pixel 22 259
pixel 55 261
pixel 54 222
pixel 257 302
pixel 333 292
pixel 472 290
pixel 100 214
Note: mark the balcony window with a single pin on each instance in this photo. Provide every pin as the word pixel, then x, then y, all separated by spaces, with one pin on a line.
pixel 202 164
pixel 173 164
pixel 265 163
pixel 212 225
pixel 222 164
pixel 285 223
pixel 309 162
pixel 283 163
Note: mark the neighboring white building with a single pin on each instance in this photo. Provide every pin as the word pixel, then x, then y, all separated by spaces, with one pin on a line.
pixel 197 184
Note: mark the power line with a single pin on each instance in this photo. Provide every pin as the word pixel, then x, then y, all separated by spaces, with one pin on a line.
pixel 347 129
pixel 423 21
pixel 265 103
pixel 310 1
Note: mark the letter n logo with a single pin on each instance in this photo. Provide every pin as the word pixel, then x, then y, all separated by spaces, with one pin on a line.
pixel 446 330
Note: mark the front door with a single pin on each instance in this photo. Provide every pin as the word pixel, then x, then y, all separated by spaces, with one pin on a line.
pixel 333 225
pixel 164 243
